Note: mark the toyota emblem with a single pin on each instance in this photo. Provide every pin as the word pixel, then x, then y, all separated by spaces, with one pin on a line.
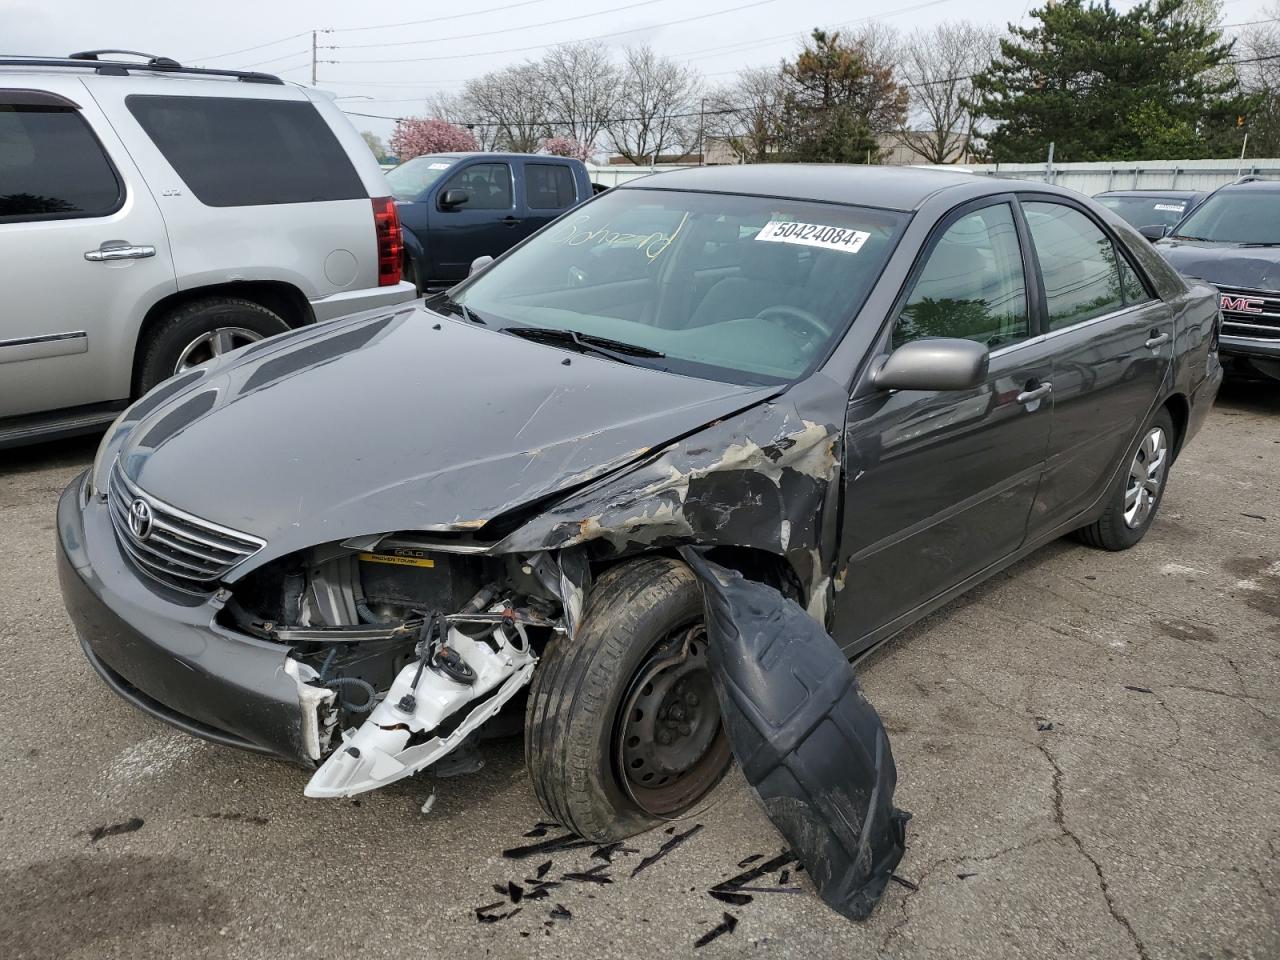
pixel 140 519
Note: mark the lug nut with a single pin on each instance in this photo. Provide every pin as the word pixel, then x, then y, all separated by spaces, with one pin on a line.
pixel 664 738
pixel 676 711
pixel 685 729
pixel 691 698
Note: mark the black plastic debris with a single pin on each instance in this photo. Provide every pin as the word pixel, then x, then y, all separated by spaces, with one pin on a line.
pixel 590 875
pixel 1043 724
pixel 965 876
pixel 560 912
pixel 747 861
pixel 809 743
pixel 485 915
pixel 666 848
pixel 567 842
pixel 1139 689
pixel 115 829
pixel 784 878
pixel 730 897
pixel 756 872
pixel 606 852
pixel 904 882
pixel 542 869
pixel 727 925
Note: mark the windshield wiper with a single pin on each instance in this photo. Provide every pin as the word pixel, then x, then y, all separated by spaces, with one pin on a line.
pixel 446 304
pixel 587 343
pixel 1261 243
pixel 1183 236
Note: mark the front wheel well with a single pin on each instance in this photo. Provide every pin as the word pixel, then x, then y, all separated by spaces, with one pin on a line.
pixel 284 300
pixel 752 562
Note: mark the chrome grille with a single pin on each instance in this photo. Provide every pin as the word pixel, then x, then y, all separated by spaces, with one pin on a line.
pixel 174 547
pixel 1250 313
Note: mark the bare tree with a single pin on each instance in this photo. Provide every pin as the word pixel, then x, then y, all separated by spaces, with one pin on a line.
pixel 1258 52
pixel 581 86
pixel 938 65
pixel 508 107
pixel 456 109
pixel 655 113
pixel 747 114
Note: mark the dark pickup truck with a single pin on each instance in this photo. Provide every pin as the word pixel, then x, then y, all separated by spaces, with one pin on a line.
pixel 455 207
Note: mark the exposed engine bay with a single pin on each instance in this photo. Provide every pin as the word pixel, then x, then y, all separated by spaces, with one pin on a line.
pixel 401 650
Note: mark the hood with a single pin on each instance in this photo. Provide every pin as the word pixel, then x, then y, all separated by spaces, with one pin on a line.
pixel 1225 265
pixel 403 421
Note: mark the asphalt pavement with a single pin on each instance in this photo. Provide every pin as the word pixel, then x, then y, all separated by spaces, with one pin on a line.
pixel 1089 744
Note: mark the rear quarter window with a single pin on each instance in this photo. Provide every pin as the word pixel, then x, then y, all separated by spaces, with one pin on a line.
pixel 52 166
pixel 549 186
pixel 234 152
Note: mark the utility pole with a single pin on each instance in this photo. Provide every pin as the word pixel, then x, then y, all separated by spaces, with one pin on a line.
pixel 702 124
pixel 313 58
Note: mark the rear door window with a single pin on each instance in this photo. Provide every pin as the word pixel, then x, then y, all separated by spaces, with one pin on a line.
pixel 52 166
pixel 240 153
pixel 549 186
pixel 972 286
pixel 488 186
pixel 1078 263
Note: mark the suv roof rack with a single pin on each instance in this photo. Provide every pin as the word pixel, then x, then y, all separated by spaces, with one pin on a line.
pixel 93 60
pixel 1250 178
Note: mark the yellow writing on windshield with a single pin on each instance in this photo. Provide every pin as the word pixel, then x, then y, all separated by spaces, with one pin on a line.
pixel 579 232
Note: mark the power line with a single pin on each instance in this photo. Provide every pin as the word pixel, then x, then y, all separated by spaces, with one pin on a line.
pixel 434 20
pixel 229 53
pixel 487 33
pixel 599 36
pixel 287 56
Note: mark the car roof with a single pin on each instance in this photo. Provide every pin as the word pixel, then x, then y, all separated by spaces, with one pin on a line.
pixel 893 188
pixel 464 154
pixel 1255 186
pixel 1149 193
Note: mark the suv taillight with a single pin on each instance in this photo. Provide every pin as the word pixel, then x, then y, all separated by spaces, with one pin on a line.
pixel 386 226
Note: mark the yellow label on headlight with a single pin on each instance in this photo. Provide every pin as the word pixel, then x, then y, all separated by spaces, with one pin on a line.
pixel 402 560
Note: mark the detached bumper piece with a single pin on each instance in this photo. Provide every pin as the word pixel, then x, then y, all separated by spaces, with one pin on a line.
pixel 432 706
pixel 811 746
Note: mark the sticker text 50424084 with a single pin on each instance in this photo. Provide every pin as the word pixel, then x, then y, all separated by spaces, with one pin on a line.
pixel 844 239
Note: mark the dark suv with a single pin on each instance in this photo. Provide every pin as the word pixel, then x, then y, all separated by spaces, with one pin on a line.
pixel 457 207
pixel 1232 240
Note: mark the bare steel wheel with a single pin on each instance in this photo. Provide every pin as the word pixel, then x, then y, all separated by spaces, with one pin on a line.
pixel 1146 474
pixel 671 747
pixel 214 343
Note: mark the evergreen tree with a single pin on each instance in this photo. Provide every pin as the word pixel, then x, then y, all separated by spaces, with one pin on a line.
pixel 1151 83
pixel 839 100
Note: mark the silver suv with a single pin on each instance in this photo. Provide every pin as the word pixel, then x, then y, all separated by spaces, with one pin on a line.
pixel 154 216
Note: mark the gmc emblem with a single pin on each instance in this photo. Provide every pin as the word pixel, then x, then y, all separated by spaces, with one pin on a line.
pixel 1242 304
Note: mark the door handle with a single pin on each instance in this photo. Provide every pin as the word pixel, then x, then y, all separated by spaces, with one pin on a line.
pixel 1037 393
pixel 120 250
pixel 510 221
pixel 1156 339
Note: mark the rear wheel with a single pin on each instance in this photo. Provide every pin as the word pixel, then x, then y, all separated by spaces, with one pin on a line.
pixel 623 727
pixel 201 331
pixel 1138 490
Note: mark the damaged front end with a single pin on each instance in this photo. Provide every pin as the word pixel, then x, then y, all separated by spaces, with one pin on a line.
pixel 402 647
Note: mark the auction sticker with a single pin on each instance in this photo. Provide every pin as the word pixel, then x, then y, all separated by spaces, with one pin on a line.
pixel 813 235
pixel 1172 208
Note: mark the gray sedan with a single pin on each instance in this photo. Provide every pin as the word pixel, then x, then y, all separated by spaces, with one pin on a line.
pixel 354 546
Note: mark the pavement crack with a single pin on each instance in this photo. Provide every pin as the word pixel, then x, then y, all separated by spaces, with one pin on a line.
pixel 1060 820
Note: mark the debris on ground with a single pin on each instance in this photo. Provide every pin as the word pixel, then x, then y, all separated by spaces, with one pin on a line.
pixel 591 875
pixel 904 882
pixel 429 802
pixel 1139 689
pixel 1043 725
pixel 666 848
pixel 115 829
pixel 726 925
pixel 568 841
pixel 810 745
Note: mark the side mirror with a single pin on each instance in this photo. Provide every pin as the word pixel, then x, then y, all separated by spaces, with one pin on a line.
pixel 479 263
pixel 1154 232
pixel 933 364
pixel 454 197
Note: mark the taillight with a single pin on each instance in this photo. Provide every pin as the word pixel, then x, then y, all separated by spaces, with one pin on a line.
pixel 386 226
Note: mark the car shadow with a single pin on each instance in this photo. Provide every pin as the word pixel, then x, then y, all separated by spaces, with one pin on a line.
pixel 1251 396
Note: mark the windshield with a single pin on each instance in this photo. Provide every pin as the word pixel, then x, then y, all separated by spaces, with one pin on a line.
pixel 1147 211
pixel 1242 216
pixel 410 180
pixel 738 288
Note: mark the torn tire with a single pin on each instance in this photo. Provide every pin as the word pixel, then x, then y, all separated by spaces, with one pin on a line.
pixel 584 683
pixel 810 745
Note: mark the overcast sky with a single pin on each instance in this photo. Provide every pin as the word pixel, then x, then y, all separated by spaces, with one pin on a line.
pixel 440 52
